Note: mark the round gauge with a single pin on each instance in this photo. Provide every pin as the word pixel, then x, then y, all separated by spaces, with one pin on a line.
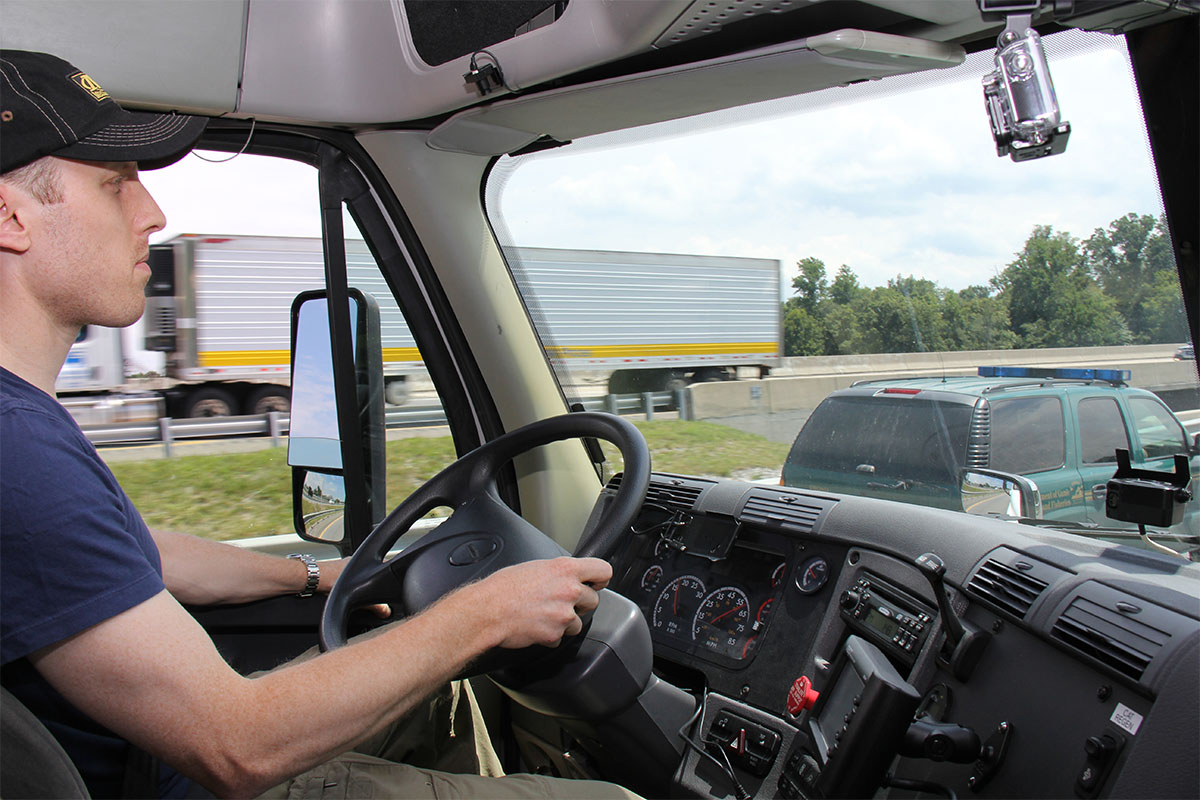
pixel 676 606
pixel 777 575
pixel 812 575
pixel 722 622
pixel 651 578
pixel 764 611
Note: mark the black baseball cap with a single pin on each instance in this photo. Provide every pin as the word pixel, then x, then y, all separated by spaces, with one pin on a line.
pixel 49 107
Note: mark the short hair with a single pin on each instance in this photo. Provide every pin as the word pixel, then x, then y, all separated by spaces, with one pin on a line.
pixel 39 178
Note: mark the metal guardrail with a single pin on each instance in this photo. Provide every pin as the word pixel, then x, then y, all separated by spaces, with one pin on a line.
pixel 167 430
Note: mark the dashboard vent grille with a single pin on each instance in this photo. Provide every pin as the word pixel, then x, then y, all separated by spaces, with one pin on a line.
pixel 794 512
pixel 677 493
pixel 1006 587
pixel 1124 645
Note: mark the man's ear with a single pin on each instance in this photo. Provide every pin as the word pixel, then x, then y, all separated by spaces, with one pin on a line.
pixel 14 232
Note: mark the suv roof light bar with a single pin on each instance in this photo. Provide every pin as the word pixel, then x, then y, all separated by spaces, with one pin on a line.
pixel 1116 377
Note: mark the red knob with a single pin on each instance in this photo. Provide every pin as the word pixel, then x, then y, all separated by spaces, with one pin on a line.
pixel 801 696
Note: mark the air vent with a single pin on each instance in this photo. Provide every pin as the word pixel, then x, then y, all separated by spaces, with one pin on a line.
pixel 1124 645
pixel 678 493
pixel 794 512
pixel 1004 586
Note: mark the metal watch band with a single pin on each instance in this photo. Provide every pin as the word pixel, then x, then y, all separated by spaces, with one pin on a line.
pixel 314 573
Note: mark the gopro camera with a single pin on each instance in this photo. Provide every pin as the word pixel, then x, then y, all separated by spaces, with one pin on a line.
pixel 1020 98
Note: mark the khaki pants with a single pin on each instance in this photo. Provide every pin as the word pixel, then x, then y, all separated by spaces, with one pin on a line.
pixel 355 777
pixel 440 751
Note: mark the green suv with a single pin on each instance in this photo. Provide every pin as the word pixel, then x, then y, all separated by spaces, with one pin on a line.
pixel 911 439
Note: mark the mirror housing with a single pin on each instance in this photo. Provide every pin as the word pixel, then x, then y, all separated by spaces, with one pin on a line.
pixel 317 447
pixel 989 492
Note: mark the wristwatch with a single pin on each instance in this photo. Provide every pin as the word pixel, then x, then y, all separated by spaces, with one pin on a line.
pixel 314 573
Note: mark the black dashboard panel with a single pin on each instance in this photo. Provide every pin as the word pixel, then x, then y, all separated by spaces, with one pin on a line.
pixel 747 588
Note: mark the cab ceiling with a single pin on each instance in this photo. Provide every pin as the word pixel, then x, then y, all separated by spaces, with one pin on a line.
pixel 361 63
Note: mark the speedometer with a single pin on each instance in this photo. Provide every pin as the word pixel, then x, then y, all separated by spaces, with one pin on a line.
pixel 722 623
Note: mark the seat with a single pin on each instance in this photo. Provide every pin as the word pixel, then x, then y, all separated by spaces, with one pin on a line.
pixel 33 765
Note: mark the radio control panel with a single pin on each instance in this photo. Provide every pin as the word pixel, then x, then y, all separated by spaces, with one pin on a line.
pixel 887 616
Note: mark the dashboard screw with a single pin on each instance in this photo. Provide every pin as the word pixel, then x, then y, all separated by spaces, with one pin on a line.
pixel 1103 693
pixel 745 691
pixel 997 626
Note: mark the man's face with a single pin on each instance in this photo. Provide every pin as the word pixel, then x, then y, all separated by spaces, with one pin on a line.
pixel 93 245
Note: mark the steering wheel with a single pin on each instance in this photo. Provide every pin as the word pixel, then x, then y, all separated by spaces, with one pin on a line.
pixel 482 535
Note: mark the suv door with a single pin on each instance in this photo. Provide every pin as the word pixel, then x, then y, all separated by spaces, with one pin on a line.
pixel 1101 430
pixel 1028 437
pixel 1159 437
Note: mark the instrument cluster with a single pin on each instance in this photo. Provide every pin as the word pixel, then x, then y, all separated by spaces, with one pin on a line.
pixel 712 607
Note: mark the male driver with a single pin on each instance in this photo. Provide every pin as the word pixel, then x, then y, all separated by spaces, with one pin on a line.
pixel 93 637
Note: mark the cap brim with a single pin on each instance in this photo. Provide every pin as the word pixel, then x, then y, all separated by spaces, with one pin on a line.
pixel 152 140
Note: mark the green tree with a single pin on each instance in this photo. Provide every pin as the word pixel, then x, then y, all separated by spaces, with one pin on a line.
pixel 1126 259
pixel 1164 317
pixel 1053 300
pixel 803 333
pixel 975 319
pixel 844 289
pixel 810 284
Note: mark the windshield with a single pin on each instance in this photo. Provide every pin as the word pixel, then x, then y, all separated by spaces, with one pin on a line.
pixel 896 246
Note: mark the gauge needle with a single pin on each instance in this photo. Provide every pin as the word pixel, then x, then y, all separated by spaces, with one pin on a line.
pixel 727 613
pixel 675 601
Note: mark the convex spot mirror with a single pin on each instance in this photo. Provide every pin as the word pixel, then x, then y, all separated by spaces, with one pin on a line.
pixel 317 448
pixel 988 492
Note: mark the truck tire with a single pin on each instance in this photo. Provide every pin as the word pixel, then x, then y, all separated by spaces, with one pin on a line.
pixel 209 401
pixel 267 398
pixel 395 391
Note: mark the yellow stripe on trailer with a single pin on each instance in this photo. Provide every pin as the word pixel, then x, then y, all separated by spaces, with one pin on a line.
pixel 659 350
pixel 252 358
pixel 255 358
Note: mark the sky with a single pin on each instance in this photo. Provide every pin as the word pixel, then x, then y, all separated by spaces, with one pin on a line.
pixel 905 184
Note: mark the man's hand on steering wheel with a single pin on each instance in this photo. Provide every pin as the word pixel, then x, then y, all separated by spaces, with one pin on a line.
pixel 538 602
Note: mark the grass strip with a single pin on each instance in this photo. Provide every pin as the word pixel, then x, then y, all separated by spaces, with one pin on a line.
pixel 249 494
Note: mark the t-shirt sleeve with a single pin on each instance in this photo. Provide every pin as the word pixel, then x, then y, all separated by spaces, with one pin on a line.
pixel 73 549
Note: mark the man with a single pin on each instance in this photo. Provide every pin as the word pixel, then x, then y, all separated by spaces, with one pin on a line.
pixel 94 639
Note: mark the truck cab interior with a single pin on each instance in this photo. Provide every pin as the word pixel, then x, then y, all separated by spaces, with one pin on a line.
pixel 757 640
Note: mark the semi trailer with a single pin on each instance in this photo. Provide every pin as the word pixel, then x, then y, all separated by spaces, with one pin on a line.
pixel 217 307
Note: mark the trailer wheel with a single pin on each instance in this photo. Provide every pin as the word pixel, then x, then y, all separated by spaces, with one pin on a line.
pixel 395 391
pixel 267 398
pixel 209 401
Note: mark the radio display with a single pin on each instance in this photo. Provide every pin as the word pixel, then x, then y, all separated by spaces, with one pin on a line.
pixel 877 621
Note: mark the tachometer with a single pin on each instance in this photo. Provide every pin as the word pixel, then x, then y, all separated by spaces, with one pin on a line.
pixel 722 623
pixel 676 606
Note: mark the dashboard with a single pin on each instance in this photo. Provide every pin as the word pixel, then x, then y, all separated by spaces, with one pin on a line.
pixel 842 642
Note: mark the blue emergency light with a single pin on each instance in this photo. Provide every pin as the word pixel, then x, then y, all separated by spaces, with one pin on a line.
pixel 1070 373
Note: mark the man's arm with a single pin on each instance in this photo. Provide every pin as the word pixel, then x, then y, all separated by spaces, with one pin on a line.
pixel 204 572
pixel 152 675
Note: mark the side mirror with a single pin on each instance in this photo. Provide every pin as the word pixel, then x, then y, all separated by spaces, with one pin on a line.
pixel 989 492
pixel 317 448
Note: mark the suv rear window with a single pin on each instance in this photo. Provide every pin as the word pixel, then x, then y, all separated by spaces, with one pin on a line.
pixel 1028 434
pixel 904 438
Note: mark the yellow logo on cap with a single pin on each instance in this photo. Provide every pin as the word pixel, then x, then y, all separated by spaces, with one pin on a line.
pixel 89 85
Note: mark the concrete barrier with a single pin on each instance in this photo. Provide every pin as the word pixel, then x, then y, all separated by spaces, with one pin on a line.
pixel 802 383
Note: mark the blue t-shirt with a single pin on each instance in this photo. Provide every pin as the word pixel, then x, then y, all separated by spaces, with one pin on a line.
pixel 73 553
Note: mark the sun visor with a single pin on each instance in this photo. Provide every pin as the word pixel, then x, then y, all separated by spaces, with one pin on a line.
pixel 808 65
